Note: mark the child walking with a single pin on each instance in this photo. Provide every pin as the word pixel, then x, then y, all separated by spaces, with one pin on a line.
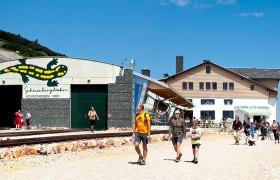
pixel 196 140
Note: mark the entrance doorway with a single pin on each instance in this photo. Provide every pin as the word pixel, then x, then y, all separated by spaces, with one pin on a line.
pixel 82 98
pixel 10 102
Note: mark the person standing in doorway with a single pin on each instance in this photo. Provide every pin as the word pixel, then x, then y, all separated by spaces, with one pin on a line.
pixel 196 140
pixel 17 120
pixel 141 132
pixel 178 131
pixel 28 118
pixel 237 126
pixel 92 115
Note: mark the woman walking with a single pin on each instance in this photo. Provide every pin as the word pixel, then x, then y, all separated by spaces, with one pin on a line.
pixel 275 130
pixel 92 115
pixel 237 126
pixel 178 132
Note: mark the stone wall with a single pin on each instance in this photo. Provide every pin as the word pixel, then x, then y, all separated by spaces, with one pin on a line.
pixel 120 100
pixel 48 112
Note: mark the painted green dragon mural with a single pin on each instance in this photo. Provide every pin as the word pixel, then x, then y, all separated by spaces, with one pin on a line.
pixel 45 74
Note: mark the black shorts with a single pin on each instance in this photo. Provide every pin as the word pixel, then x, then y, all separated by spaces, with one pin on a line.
pixel 196 146
pixel 92 122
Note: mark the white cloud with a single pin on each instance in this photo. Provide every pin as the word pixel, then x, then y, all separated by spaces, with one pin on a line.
pixel 180 2
pixel 254 14
pixel 228 2
pixel 197 4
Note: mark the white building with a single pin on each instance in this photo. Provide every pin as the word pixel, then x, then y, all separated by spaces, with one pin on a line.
pixel 219 92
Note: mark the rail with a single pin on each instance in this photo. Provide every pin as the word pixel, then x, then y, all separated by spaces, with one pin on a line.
pixel 40 140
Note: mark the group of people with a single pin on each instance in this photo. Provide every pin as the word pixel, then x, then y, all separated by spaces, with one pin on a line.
pixel 177 132
pixel 21 119
pixel 250 129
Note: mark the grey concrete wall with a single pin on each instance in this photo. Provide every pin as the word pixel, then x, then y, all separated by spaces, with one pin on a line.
pixel 120 99
pixel 48 112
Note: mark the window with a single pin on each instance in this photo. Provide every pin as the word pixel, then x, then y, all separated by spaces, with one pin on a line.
pixel 208 69
pixel 184 85
pixel 214 86
pixel 228 102
pixel 207 115
pixel 190 100
pixel 207 101
pixel 225 86
pixel 227 114
pixel 231 86
pixel 208 86
pixel 252 87
pixel 201 86
pixel 190 86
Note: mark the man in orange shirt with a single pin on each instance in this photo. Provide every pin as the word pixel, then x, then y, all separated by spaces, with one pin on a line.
pixel 141 132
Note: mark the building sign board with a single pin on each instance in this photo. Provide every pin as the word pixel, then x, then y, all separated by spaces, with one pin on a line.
pixel 44 91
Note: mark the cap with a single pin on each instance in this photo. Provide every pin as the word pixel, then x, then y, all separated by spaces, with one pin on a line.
pixel 177 112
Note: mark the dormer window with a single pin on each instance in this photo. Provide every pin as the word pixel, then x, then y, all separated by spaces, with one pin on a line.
pixel 252 87
pixel 208 69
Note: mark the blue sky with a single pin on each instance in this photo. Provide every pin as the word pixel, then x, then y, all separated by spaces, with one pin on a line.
pixel 231 33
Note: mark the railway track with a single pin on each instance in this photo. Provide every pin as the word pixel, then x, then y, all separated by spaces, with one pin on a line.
pixel 38 132
pixel 62 138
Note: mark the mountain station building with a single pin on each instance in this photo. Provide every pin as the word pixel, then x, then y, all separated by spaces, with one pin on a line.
pixel 58 92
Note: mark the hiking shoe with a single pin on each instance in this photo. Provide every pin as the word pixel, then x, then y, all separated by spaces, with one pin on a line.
pixel 140 159
pixel 143 162
pixel 180 156
pixel 195 161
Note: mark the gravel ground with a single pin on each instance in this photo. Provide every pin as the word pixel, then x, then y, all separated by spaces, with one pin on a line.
pixel 218 159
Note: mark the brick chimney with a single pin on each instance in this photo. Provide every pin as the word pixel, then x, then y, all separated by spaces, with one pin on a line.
pixel 179 64
pixel 145 72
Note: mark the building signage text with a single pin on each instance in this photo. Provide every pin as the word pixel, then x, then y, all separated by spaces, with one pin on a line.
pixel 38 91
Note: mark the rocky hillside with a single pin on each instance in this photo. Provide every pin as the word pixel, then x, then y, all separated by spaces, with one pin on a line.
pixel 8 55
pixel 14 46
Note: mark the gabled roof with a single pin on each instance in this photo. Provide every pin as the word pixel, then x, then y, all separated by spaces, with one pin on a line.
pixel 258 73
pixel 165 91
pixel 226 69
